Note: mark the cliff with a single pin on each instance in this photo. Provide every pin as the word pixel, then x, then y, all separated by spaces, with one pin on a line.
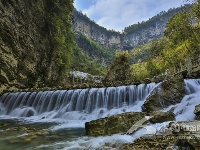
pixel 36 42
pixel 132 36
pixel 85 26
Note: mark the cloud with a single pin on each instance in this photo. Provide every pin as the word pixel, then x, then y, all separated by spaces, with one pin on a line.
pixel 118 14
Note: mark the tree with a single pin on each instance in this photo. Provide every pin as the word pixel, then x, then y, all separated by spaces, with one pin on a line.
pixel 179 28
pixel 120 68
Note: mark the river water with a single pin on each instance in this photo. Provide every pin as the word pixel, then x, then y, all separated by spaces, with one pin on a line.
pixel 56 119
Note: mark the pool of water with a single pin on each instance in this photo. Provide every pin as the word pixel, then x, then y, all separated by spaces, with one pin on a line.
pixel 19 134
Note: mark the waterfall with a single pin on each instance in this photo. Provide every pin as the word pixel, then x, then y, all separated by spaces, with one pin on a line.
pixel 184 111
pixel 79 104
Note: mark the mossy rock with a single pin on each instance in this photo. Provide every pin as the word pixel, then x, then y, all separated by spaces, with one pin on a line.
pixel 114 124
pixel 159 117
pixel 168 93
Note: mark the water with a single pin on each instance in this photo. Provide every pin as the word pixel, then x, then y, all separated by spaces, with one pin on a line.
pixel 55 119
pixel 184 111
pixel 54 112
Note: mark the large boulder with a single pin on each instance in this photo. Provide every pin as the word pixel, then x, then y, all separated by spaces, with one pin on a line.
pixel 165 94
pixel 125 123
pixel 114 124
pixel 159 116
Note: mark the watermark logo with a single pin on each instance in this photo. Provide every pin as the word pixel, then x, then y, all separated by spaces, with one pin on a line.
pixel 163 128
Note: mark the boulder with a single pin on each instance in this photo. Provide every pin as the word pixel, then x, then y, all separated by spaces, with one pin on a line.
pixel 197 111
pixel 114 124
pixel 159 116
pixel 165 94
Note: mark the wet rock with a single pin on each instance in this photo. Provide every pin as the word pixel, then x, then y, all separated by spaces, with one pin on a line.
pixel 159 116
pixel 197 111
pixel 114 124
pixel 184 135
pixel 167 93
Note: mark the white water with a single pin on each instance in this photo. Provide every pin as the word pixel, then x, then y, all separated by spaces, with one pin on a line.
pixel 74 107
pixel 99 103
pixel 184 111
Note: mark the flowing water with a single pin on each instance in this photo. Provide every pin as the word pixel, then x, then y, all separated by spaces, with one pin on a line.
pixel 55 119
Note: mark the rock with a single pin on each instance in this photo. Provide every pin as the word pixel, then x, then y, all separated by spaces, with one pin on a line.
pixel 28 52
pixel 129 39
pixel 186 137
pixel 147 81
pixel 114 124
pixel 197 111
pixel 167 93
pixel 188 133
pixel 139 124
pixel 125 123
pixel 159 116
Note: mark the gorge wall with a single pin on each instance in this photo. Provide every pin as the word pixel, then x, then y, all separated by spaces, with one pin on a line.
pixel 132 36
pixel 31 47
pixel 85 26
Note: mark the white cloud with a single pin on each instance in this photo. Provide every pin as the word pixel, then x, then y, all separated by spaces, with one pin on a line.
pixel 117 14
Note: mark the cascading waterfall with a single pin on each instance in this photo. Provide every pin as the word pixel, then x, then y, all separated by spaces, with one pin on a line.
pixel 73 108
pixel 184 111
pixel 79 104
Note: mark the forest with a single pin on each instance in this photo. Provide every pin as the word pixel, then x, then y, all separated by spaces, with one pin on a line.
pixel 180 41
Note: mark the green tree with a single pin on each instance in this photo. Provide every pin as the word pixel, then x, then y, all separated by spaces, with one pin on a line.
pixel 152 69
pixel 120 68
pixel 60 24
pixel 179 28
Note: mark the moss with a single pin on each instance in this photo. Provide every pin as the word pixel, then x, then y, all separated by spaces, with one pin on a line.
pixel 36 41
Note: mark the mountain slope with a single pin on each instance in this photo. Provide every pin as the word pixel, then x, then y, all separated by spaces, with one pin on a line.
pixel 132 36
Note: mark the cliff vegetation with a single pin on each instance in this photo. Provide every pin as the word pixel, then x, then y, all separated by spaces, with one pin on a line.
pixel 36 42
pixel 166 54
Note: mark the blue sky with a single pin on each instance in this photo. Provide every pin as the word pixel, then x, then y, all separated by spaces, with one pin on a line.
pixel 118 14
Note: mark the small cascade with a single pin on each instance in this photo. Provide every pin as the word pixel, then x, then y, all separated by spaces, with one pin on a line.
pixel 184 111
pixel 192 86
pixel 79 104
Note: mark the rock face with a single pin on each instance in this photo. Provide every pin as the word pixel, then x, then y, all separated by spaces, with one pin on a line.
pixel 27 41
pixel 114 124
pixel 146 32
pixel 167 93
pixel 91 30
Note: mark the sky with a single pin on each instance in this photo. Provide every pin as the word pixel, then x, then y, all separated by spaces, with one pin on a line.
pixel 118 14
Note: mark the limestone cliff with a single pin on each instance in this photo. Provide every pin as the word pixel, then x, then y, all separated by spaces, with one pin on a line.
pixel 132 36
pixel 85 26
pixel 32 42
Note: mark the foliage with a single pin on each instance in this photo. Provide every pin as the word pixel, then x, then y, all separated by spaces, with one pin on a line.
pixel 60 22
pixel 178 28
pixel 181 41
pixel 139 71
pixel 94 50
pixel 120 68
pixel 122 56
pixel 153 20
pixel 148 50
pixel 82 62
